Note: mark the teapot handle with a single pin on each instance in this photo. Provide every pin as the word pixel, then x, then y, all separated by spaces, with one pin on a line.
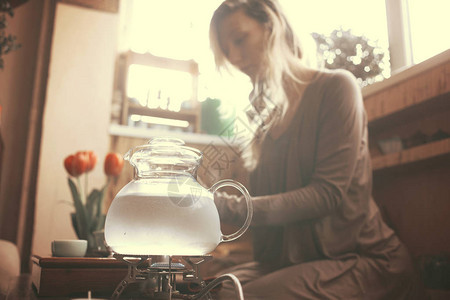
pixel 243 190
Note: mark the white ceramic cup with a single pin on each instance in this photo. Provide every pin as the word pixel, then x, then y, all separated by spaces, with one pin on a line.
pixel 69 248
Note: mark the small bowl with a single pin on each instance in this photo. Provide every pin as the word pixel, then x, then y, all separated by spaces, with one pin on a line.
pixel 69 248
pixel 390 145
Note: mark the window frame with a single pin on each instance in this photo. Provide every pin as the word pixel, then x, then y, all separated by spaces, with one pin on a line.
pixel 147 59
pixel 399 35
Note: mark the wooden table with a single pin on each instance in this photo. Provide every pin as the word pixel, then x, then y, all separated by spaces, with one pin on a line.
pixel 76 276
pixel 68 278
pixel 21 288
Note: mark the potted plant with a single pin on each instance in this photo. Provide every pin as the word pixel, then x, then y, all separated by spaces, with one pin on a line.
pixel 355 53
pixel 7 41
pixel 88 217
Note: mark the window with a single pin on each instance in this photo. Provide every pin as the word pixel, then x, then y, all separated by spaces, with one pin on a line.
pixel 164 44
pixel 158 92
pixel 177 31
pixel 429 23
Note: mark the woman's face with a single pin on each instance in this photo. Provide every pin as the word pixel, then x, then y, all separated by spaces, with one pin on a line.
pixel 242 40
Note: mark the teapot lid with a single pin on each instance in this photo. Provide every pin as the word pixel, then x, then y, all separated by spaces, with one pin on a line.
pixel 164 154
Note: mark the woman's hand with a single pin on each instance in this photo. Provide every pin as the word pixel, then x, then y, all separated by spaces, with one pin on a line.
pixel 232 209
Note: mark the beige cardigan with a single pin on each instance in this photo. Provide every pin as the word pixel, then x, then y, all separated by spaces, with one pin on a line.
pixel 312 187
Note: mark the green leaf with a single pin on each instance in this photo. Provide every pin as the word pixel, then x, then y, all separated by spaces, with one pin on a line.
pixel 98 223
pixel 101 223
pixel 92 203
pixel 73 217
pixel 80 212
pixel 100 203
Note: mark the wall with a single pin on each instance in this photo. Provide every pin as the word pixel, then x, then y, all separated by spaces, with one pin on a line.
pixel 77 112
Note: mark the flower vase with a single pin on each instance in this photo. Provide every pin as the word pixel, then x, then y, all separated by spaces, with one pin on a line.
pixel 96 243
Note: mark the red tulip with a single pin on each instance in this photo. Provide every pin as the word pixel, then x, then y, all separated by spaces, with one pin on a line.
pixel 113 164
pixel 68 165
pixel 80 162
pixel 92 160
pixel 74 165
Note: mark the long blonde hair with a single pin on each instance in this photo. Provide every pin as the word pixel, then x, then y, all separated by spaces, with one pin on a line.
pixel 284 68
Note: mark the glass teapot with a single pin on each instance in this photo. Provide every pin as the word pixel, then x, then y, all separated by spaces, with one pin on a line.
pixel 164 210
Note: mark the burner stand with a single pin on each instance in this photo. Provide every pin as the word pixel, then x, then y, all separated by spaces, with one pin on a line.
pixel 159 273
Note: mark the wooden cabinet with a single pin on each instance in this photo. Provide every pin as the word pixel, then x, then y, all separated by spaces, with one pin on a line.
pixel 416 106
pixel 412 185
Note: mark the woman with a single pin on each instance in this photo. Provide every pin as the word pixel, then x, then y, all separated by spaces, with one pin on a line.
pixel 317 232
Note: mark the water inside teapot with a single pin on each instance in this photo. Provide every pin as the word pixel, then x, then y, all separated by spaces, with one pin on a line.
pixel 140 224
pixel 165 210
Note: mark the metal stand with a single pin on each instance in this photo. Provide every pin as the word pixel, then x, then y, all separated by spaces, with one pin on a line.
pixel 160 273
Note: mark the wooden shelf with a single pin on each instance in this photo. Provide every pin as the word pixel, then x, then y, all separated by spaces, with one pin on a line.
pixel 411 186
pixel 420 101
pixel 188 115
pixel 191 116
pixel 415 154
pixel 418 90
pixel 422 110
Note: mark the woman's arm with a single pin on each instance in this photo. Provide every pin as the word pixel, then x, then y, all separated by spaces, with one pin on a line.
pixel 339 137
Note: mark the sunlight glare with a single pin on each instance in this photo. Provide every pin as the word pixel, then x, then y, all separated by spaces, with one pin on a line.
pixel 159 88
pixel 179 29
